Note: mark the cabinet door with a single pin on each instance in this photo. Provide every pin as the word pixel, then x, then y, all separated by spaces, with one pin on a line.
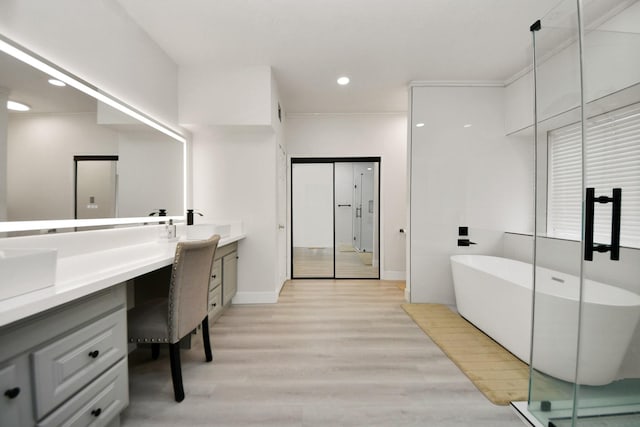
pixel 73 361
pixel 15 398
pixel 229 277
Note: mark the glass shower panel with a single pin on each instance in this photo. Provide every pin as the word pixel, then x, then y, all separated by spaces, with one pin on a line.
pixel 312 223
pixel 609 343
pixel 557 263
pixel 585 359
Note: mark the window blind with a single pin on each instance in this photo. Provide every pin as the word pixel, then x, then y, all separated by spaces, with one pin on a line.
pixel 612 159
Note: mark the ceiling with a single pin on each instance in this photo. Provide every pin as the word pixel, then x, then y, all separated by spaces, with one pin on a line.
pixel 381 45
pixel 30 86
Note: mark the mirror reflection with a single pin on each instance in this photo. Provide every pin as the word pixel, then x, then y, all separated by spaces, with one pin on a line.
pixel 45 148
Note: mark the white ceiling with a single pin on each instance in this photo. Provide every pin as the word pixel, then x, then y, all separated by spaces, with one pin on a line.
pixel 381 45
pixel 30 86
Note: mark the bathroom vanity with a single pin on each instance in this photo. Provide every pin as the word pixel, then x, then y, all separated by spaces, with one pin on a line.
pixel 66 365
pixel 64 294
pixel 63 348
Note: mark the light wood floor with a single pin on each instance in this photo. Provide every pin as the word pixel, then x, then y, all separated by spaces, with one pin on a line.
pixel 329 353
pixel 318 262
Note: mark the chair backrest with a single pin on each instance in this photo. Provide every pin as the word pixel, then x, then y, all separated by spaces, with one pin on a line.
pixel 189 287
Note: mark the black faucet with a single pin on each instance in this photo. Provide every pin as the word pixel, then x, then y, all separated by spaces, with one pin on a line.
pixel 159 212
pixel 190 213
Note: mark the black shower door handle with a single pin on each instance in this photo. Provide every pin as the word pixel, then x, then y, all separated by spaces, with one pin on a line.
pixel 616 211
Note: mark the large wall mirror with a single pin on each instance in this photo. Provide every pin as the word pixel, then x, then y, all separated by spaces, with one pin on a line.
pixel 54 125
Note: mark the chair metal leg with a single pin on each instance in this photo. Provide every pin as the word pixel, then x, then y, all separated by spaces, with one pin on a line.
pixel 155 351
pixel 206 340
pixel 176 371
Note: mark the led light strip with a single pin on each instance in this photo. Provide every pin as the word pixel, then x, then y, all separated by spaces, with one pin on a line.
pixel 79 223
pixel 59 75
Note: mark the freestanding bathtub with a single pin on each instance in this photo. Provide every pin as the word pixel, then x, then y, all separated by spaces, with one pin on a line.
pixel 495 294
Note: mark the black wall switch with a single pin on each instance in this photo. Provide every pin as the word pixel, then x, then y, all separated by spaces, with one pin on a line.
pixel 463 231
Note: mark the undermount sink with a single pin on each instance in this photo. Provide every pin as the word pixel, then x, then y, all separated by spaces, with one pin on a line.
pixel 204 231
pixel 26 270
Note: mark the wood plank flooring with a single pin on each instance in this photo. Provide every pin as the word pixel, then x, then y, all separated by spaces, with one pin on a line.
pixel 330 353
pixel 318 262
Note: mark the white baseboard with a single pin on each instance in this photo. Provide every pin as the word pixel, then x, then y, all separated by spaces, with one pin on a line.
pixel 393 275
pixel 255 298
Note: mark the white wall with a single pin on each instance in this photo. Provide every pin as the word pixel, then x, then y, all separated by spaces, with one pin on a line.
pixel 381 135
pixel 234 179
pixel 313 204
pixel 237 138
pixel 98 42
pixel 474 177
pixel 150 171
pixel 213 96
pixel 40 180
pixel 611 63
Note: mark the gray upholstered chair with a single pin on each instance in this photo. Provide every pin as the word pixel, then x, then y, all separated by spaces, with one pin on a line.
pixel 168 320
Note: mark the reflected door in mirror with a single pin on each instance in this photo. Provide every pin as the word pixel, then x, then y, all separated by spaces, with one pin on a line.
pixel 96 187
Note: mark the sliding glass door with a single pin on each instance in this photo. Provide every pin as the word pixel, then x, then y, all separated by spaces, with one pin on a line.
pixel 335 218
pixel 312 220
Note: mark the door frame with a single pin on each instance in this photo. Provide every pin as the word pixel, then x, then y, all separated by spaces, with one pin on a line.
pixel 334 160
pixel 85 158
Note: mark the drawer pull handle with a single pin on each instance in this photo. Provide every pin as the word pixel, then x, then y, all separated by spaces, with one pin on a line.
pixel 94 354
pixel 96 412
pixel 12 393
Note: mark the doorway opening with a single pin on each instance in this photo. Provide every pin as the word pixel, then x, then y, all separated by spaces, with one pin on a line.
pixel 335 217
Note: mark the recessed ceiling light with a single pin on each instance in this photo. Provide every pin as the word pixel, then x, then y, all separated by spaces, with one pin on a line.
pixel 56 82
pixel 369 169
pixel 344 80
pixel 17 106
pixel 468 125
pixel 419 125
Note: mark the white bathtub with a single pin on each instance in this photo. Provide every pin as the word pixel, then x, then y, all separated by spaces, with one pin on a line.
pixel 495 294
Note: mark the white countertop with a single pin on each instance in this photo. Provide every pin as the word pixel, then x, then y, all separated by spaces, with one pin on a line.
pixel 80 275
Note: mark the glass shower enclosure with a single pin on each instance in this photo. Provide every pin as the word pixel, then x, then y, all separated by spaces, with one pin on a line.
pixel 585 349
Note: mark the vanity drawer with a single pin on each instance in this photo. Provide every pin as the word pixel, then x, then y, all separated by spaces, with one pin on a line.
pixel 216 274
pixel 215 301
pixel 97 404
pixel 65 366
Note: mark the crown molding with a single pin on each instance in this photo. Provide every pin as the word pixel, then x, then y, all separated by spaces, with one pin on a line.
pixel 456 83
pixel 372 114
